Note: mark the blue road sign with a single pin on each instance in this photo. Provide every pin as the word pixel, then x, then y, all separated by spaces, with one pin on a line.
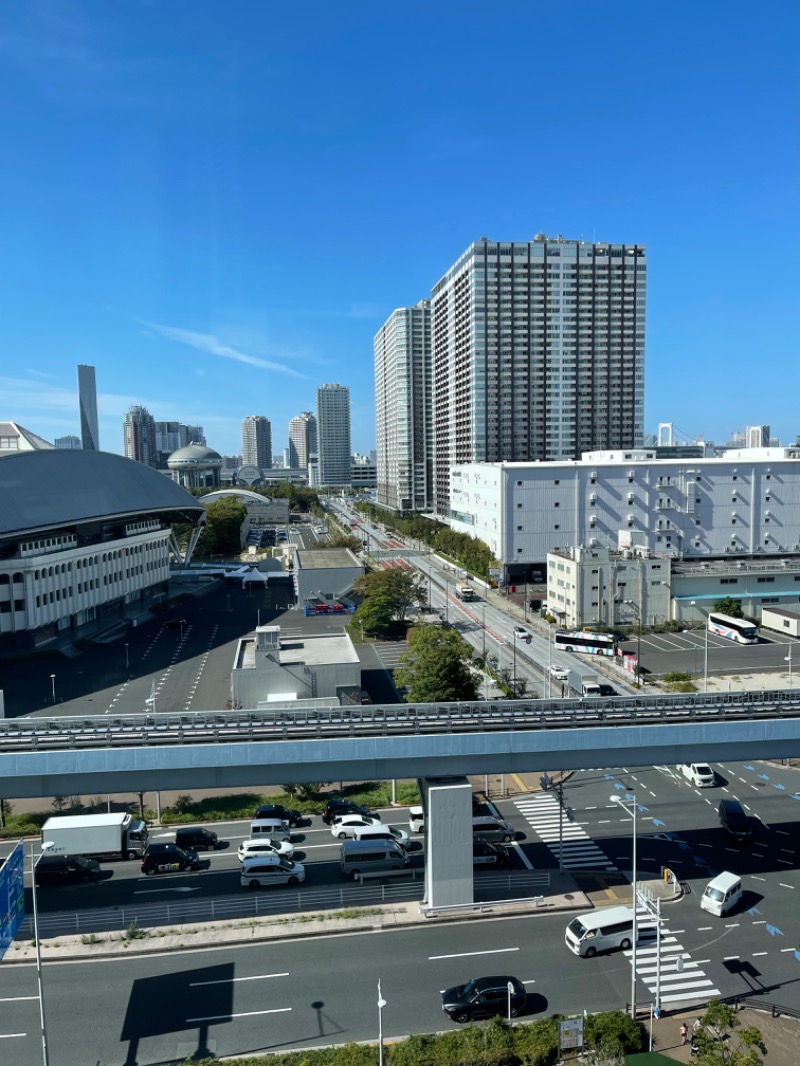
pixel 12 898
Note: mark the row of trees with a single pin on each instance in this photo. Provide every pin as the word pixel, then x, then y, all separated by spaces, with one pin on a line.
pixel 470 552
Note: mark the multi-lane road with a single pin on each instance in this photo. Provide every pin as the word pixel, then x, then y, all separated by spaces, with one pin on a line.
pixel 307 992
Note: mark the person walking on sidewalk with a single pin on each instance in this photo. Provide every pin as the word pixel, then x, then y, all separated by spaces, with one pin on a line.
pixel 683 1031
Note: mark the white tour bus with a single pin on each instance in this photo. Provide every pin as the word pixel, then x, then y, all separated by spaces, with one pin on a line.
pixel 738 629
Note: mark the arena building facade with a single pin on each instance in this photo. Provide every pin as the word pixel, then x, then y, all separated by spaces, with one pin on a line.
pixel 85 538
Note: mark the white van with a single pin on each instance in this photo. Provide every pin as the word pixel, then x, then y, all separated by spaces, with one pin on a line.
pixel 264 870
pixel 721 894
pixel 416 819
pixel 382 832
pixel 600 930
pixel 365 856
pixel 699 773
pixel 270 827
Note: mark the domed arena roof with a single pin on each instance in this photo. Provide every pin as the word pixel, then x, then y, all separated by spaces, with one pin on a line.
pixel 42 490
pixel 194 457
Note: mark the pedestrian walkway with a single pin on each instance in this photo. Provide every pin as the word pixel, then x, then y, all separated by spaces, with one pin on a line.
pixel 680 979
pixel 566 841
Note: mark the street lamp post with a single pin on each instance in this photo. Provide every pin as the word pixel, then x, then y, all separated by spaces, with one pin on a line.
pixel 381 1005
pixel 510 989
pixel 705 663
pixel 788 659
pixel 630 807
pixel 127 659
pixel 53 682
pixel 46 846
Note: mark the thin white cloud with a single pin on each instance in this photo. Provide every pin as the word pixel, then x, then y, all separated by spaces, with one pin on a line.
pixel 208 342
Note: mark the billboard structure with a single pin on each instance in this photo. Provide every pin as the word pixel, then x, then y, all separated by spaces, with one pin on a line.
pixel 12 898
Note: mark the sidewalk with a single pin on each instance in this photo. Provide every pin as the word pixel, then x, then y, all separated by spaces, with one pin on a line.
pixel 780 1035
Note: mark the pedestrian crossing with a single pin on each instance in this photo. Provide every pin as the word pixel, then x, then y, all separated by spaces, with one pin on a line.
pixel 676 985
pixel 542 812
pixel 578 851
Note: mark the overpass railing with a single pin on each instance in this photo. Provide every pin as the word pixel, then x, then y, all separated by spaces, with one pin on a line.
pixel 63 732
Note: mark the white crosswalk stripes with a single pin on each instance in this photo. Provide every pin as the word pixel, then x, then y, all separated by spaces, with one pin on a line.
pixel 676 986
pixel 579 851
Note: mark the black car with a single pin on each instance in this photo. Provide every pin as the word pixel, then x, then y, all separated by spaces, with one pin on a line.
pixel 336 807
pixel 485 853
pixel 66 869
pixel 608 690
pixel 484 997
pixel 277 810
pixel 733 820
pixel 196 838
pixel 168 858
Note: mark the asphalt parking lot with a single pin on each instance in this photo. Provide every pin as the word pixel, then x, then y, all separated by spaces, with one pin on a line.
pixel 686 651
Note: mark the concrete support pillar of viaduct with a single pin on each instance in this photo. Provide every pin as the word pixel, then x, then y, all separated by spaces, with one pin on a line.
pixel 447 802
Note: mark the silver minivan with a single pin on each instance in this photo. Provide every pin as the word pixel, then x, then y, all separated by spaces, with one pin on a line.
pixel 273 828
pixel 495 829
pixel 368 856
pixel 600 930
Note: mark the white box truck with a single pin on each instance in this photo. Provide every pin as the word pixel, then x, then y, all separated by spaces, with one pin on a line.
pixel 583 683
pixel 112 836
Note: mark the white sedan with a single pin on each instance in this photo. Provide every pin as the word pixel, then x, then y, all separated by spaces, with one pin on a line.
pixel 346 826
pixel 250 849
pixel 559 673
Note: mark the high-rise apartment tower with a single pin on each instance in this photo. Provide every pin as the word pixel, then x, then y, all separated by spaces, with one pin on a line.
pixel 538 353
pixel 257 442
pixel 87 402
pixel 140 436
pixel 402 348
pixel 333 434
pixel 302 439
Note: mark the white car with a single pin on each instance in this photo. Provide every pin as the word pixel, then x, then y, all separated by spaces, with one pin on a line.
pixel 264 846
pixel 345 827
pixel 416 819
pixel 520 631
pixel 699 773
pixel 559 673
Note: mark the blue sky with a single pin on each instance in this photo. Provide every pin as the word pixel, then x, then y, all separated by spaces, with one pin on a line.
pixel 217 205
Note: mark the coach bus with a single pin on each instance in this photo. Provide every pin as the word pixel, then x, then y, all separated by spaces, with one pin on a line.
pixel 589 643
pixel 738 629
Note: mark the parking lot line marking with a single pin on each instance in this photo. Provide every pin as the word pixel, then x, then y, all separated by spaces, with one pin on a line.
pixel 469 954
pixel 231 980
pixel 245 1014
pixel 782 885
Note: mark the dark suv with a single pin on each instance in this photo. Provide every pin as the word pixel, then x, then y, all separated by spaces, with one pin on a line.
pixel 66 869
pixel 277 810
pixel 197 838
pixel 168 858
pixel 485 853
pixel 336 807
pixel 734 821
pixel 484 997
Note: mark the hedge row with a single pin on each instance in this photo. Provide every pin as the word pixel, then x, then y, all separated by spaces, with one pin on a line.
pixel 493 1044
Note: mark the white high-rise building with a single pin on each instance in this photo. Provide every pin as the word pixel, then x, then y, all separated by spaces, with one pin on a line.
pixel 139 431
pixel 302 440
pixel 538 353
pixel 87 402
pixel 257 442
pixel 333 434
pixel 402 348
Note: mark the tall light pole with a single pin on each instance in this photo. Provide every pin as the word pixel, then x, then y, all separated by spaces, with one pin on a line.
pixel 46 846
pixel 638 610
pixel 788 659
pixel 127 659
pixel 628 804
pixel 53 682
pixel 705 663
pixel 381 1005
pixel 514 679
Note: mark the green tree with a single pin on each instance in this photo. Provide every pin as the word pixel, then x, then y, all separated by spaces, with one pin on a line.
pixel 728 605
pixel 376 615
pixel 401 586
pixel 716 1041
pixel 435 668
pixel 222 530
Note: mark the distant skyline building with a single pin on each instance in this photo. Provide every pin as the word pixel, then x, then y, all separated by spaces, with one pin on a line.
pixel 87 403
pixel 139 430
pixel 68 443
pixel 302 439
pixel 333 435
pixel 538 351
pixel 757 437
pixel 170 436
pixel 403 423
pixel 257 442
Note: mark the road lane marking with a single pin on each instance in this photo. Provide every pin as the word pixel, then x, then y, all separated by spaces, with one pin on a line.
pixel 760 921
pixel 231 980
pixel 469 954
pixel 729 958
pixel 17 999
pixel 12 1036
pixel 783 950
pixel 522 855
pixel 530 981
pixel 755 878
pixel 782 832
pixel 782 885
pixel 757 953
pixel 732 925
pixel 245 1014
pixel 704 928
pixel 786 862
